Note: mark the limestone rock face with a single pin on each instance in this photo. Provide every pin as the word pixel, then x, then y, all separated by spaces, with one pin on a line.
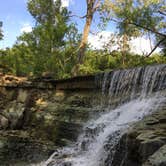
pixel 18 147
pixel 36 117
pixel 144 144
pixel 13 112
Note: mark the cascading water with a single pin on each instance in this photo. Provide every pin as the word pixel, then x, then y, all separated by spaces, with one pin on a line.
pixel 101 135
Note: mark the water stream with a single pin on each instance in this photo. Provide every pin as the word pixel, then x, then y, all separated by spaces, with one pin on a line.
pixel 143 88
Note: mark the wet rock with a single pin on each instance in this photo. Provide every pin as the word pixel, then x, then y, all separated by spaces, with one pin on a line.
pixel 20 146
pixel 67 164
pixel 158 158
pixel 144 144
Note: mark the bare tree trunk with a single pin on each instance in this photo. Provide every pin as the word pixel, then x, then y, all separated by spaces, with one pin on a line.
pixel 124 48
pixel 84 40
pixel 92 6
pixel 150 41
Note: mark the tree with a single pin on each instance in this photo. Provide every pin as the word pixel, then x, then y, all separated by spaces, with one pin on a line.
pixel 92 7
pixel 136 17
pixel 48 36
pixel 51 46
pixel 51 20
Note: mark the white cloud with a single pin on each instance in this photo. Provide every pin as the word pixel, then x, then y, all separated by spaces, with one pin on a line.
pixel 100 39
pixel 66 3
pixel 26 28
pixel 139 45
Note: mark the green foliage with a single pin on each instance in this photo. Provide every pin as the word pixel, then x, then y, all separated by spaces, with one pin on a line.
pixel 23 59
pixel 136 17
pixel 49 48
pixel 48 36
pixel 98 61
pixel 146 13
pixel 17 60
pixel 20 61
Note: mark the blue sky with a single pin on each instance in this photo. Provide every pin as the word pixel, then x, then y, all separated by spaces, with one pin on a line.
pixel 14 15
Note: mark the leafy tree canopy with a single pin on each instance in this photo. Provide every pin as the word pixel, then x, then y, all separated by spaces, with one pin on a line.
pixel 54 46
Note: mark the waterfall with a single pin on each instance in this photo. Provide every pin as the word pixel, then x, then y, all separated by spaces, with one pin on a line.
pixel 133 83
pixel 140 92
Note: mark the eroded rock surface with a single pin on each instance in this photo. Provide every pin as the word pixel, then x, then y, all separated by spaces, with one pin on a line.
pixel 144 144
pixel 36 117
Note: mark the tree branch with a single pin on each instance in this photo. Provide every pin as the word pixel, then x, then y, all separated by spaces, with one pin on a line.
pixel 94 33
pixel 74 15
pixel 162 40
pixel 161 12
pixel 148 29
pixel 97 5
pixel 143 27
